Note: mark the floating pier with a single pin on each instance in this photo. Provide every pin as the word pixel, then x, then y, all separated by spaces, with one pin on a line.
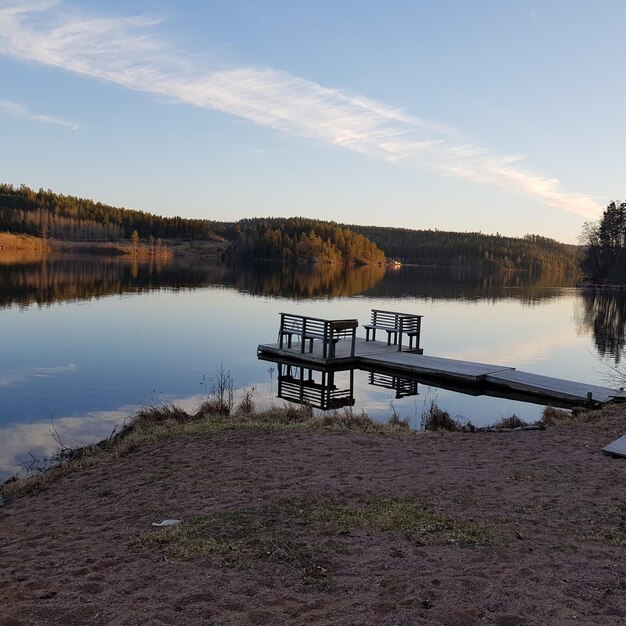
pixel 617 448
pixel 346 351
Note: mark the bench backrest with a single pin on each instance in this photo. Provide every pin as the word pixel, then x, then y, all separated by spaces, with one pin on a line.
pixel 395 319
pixel 303 324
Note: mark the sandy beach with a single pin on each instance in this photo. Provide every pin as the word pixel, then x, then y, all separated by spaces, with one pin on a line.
pixel 322 526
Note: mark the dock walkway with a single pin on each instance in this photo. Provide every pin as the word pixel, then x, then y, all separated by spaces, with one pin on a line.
pixel 377 355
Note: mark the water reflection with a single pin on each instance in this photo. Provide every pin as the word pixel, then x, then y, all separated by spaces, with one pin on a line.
pixel 328 389
pixel 29 279
pixel 58 278
pixel 404 387
pixel 306 281
pixel 603 314
pixel 321 389
pixel 467 283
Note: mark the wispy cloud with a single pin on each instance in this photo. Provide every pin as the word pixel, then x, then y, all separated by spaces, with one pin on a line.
pixel 250 151
pixel 130 52
pixel 19 110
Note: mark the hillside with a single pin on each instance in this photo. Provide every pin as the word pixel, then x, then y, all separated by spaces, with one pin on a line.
pixel 435 247
pixel 48 215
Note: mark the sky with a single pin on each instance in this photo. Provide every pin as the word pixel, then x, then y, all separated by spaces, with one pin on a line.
pixel 492 115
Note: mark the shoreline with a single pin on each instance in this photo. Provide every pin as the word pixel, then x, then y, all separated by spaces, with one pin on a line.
pixel 20 243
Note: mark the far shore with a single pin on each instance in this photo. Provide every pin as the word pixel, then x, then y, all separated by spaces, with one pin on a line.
pixel 12 242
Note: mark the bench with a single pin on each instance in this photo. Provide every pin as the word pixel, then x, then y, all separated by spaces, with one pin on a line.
pixel 307 329
pixel 395 325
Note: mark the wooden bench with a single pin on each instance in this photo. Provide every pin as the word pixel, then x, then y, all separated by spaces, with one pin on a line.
pixel 307 329
pixel 395 325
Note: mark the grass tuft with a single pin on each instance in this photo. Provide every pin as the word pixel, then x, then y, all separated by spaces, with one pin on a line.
pixel 553 417
pixel 510 422
pixel 435 418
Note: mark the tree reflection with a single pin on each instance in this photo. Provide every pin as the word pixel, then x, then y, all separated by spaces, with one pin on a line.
pixel 305 280
pixel 468 283
pixel 50 279
pixel 604 315
pixel 27 279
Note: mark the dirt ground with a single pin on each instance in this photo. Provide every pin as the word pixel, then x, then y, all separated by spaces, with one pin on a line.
pixel 517 528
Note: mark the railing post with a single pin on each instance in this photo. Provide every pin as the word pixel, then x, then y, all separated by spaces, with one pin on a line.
pixel 353 342
pixel 419 331
pixel 280 331
pixel 325 339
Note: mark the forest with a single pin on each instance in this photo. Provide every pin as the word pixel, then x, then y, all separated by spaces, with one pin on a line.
pixel 605 245
pixel 302 238
pixel 47 214
pixel 531 253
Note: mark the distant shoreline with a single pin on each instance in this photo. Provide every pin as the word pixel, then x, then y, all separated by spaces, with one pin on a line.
pixel 167 249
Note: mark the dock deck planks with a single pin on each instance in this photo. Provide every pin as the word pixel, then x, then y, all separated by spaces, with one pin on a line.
pixel 432 365
pixel 616 448
pixel 554 387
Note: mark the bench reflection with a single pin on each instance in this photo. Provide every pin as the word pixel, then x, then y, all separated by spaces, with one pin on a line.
pixel 317 388
pixel 332 388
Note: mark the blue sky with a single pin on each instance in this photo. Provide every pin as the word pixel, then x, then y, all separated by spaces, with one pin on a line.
pixel 492 115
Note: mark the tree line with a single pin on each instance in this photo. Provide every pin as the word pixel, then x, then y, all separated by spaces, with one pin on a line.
pixel 531 253
pixel 46 214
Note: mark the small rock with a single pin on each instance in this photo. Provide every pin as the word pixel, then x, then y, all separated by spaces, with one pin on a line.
pixel 167 522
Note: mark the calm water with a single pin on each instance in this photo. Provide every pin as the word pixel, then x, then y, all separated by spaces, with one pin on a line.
pixel 86 341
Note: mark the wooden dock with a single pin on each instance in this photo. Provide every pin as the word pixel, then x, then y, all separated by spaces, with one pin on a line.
pixel 483 377
pixel 616 448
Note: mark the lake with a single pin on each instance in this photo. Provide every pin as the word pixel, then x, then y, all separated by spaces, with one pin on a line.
pixel 86 341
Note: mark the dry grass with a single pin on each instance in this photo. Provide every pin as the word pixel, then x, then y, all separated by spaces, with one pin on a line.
pixel 348 419
pixel 510 422
pixel 396 421
pixel 10 241
pixel 435 418
pixel 553 417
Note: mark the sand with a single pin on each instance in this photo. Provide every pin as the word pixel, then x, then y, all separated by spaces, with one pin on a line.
pixel 551 506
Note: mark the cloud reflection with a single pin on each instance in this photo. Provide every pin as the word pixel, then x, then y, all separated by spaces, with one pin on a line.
pixel 14 377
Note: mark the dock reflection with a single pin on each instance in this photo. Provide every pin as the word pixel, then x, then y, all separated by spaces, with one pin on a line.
pixel 403 387
pixel 333 388
pixel 321 389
